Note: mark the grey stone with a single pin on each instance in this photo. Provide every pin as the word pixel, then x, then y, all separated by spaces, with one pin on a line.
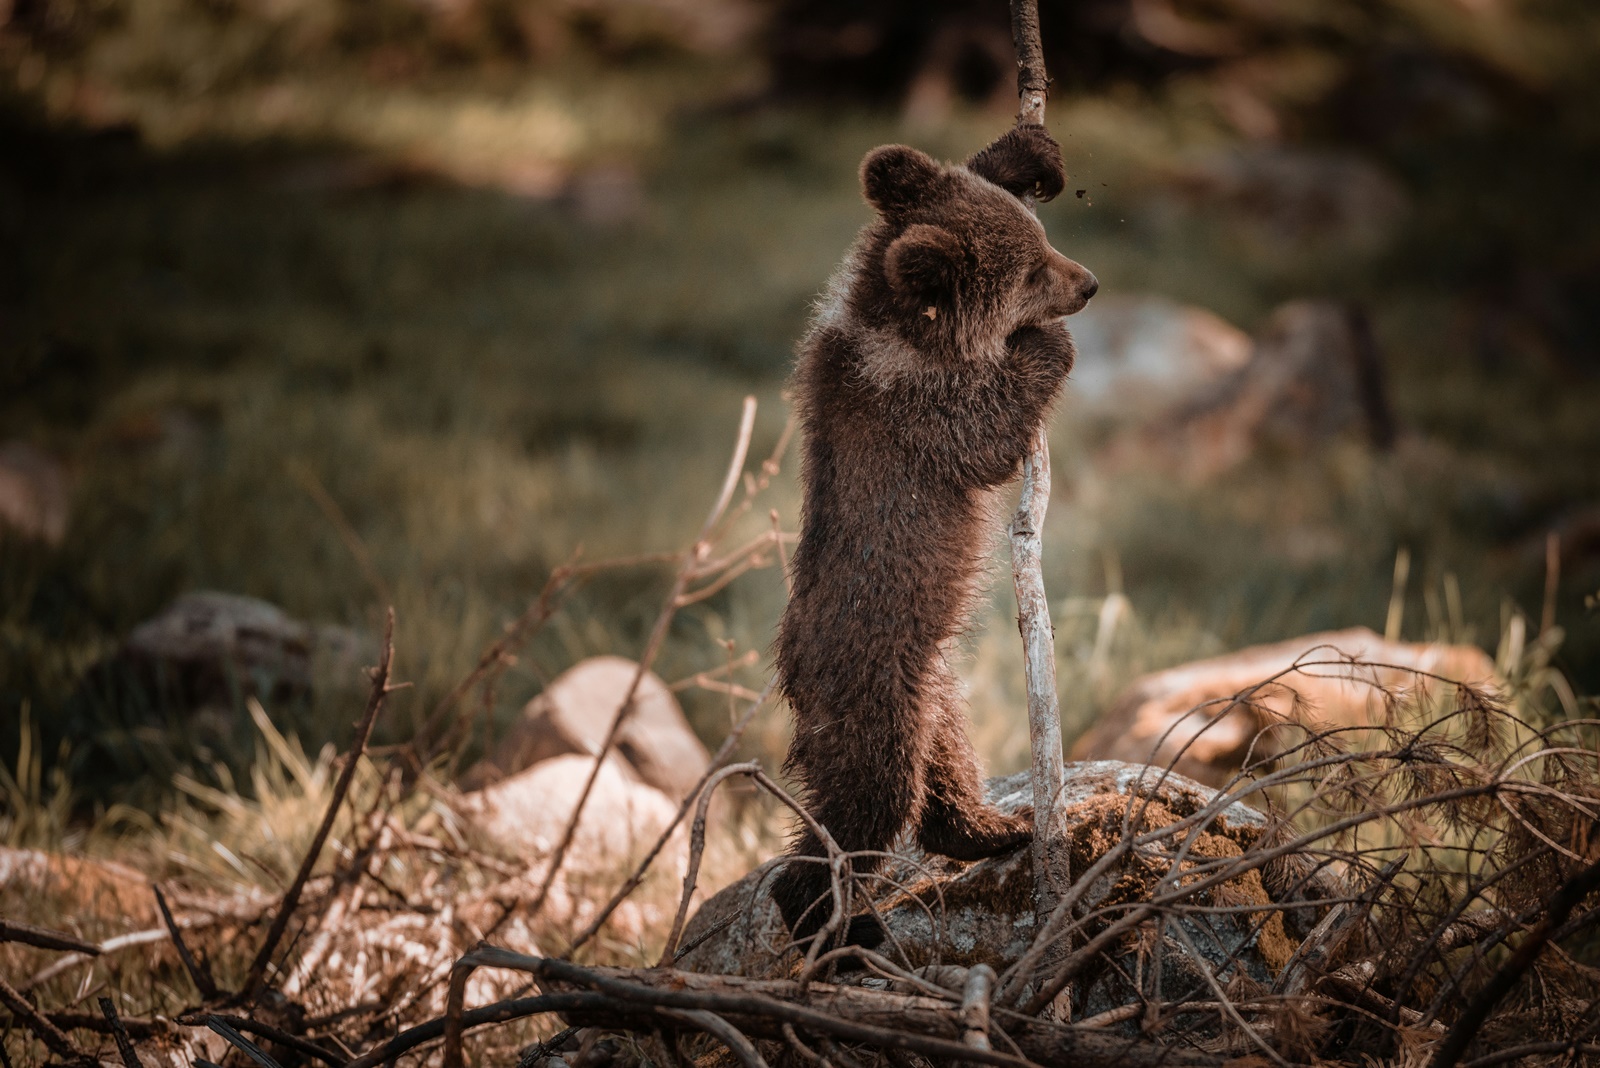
pixel 941 912
pixel 209 649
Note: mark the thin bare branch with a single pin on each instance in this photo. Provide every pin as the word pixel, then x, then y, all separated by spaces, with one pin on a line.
pixel 724 751
pixel 130 1058
pixel 200 974
pixel 45 938
pixel 271 1034
pixel 291 899
pixel 658 633
pixel 709 1022
pixel 499 1012
pixel 241 1043
pixel 697 845
pixel 1477 1010
pixel 52 1036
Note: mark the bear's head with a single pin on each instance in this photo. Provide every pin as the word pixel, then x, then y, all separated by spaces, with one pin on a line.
pixel 956 261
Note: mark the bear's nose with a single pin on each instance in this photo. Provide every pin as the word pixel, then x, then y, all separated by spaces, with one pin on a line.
pixel 1091 287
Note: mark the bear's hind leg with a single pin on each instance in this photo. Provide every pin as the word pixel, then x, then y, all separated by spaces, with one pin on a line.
pixel 957 819
pixel 864 808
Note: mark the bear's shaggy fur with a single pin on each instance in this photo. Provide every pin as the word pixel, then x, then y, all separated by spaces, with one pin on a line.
pixel 929 367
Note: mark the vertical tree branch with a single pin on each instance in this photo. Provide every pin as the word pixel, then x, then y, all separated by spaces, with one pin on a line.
pixel 1027 549
pixel 691 559
pixel 1033 85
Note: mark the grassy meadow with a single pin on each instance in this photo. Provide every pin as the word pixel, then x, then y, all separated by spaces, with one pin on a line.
pixel 285 358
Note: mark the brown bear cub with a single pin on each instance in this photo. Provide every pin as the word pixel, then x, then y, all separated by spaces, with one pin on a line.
pixel 929 367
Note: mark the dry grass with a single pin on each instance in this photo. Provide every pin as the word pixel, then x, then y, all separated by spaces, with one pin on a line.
pixel 1452 848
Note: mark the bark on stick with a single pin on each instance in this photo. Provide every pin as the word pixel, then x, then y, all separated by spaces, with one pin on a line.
pixel 1027 548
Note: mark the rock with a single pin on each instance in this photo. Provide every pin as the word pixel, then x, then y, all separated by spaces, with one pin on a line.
pixel 1151 721
pixel 525 815
pixel 1314 374
pixel 35 497
pixel 573 715
pixel 987 907
pixel 1140 355
pixel 208 649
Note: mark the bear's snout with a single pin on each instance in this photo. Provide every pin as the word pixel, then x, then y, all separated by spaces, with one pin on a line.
pixel 1073 287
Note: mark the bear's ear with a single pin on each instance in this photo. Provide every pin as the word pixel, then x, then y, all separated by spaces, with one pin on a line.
pixel 896 178
pixel 924 263
pixel 1025 159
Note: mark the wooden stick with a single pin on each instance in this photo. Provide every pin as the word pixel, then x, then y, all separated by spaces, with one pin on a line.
pixel 45 938
pixel 759 1008
pixel 1027 551
pixel 130 1059
pixel 975 1006
pixel 268 1032
pixel 241 1043
pixel 499 1012
pixel 52 1036
pixel 201 975
pixel 709 1022
pixel 1033 85
pixel 137 1027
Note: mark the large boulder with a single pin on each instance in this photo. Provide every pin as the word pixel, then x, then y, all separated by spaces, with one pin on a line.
pixel 207 650
pixel 575 712
pixel 1139 355
pixel 1186 716
pixel 942 912
pixel 1314 374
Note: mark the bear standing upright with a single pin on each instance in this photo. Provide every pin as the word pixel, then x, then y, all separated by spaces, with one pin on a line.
pixel 929 367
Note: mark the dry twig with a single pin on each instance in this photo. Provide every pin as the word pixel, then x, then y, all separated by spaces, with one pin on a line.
pixel 45 938
pixel 291 899
pixel 130 1059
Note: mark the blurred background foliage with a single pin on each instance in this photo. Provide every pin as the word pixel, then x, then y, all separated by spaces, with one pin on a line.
pixel 338 302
